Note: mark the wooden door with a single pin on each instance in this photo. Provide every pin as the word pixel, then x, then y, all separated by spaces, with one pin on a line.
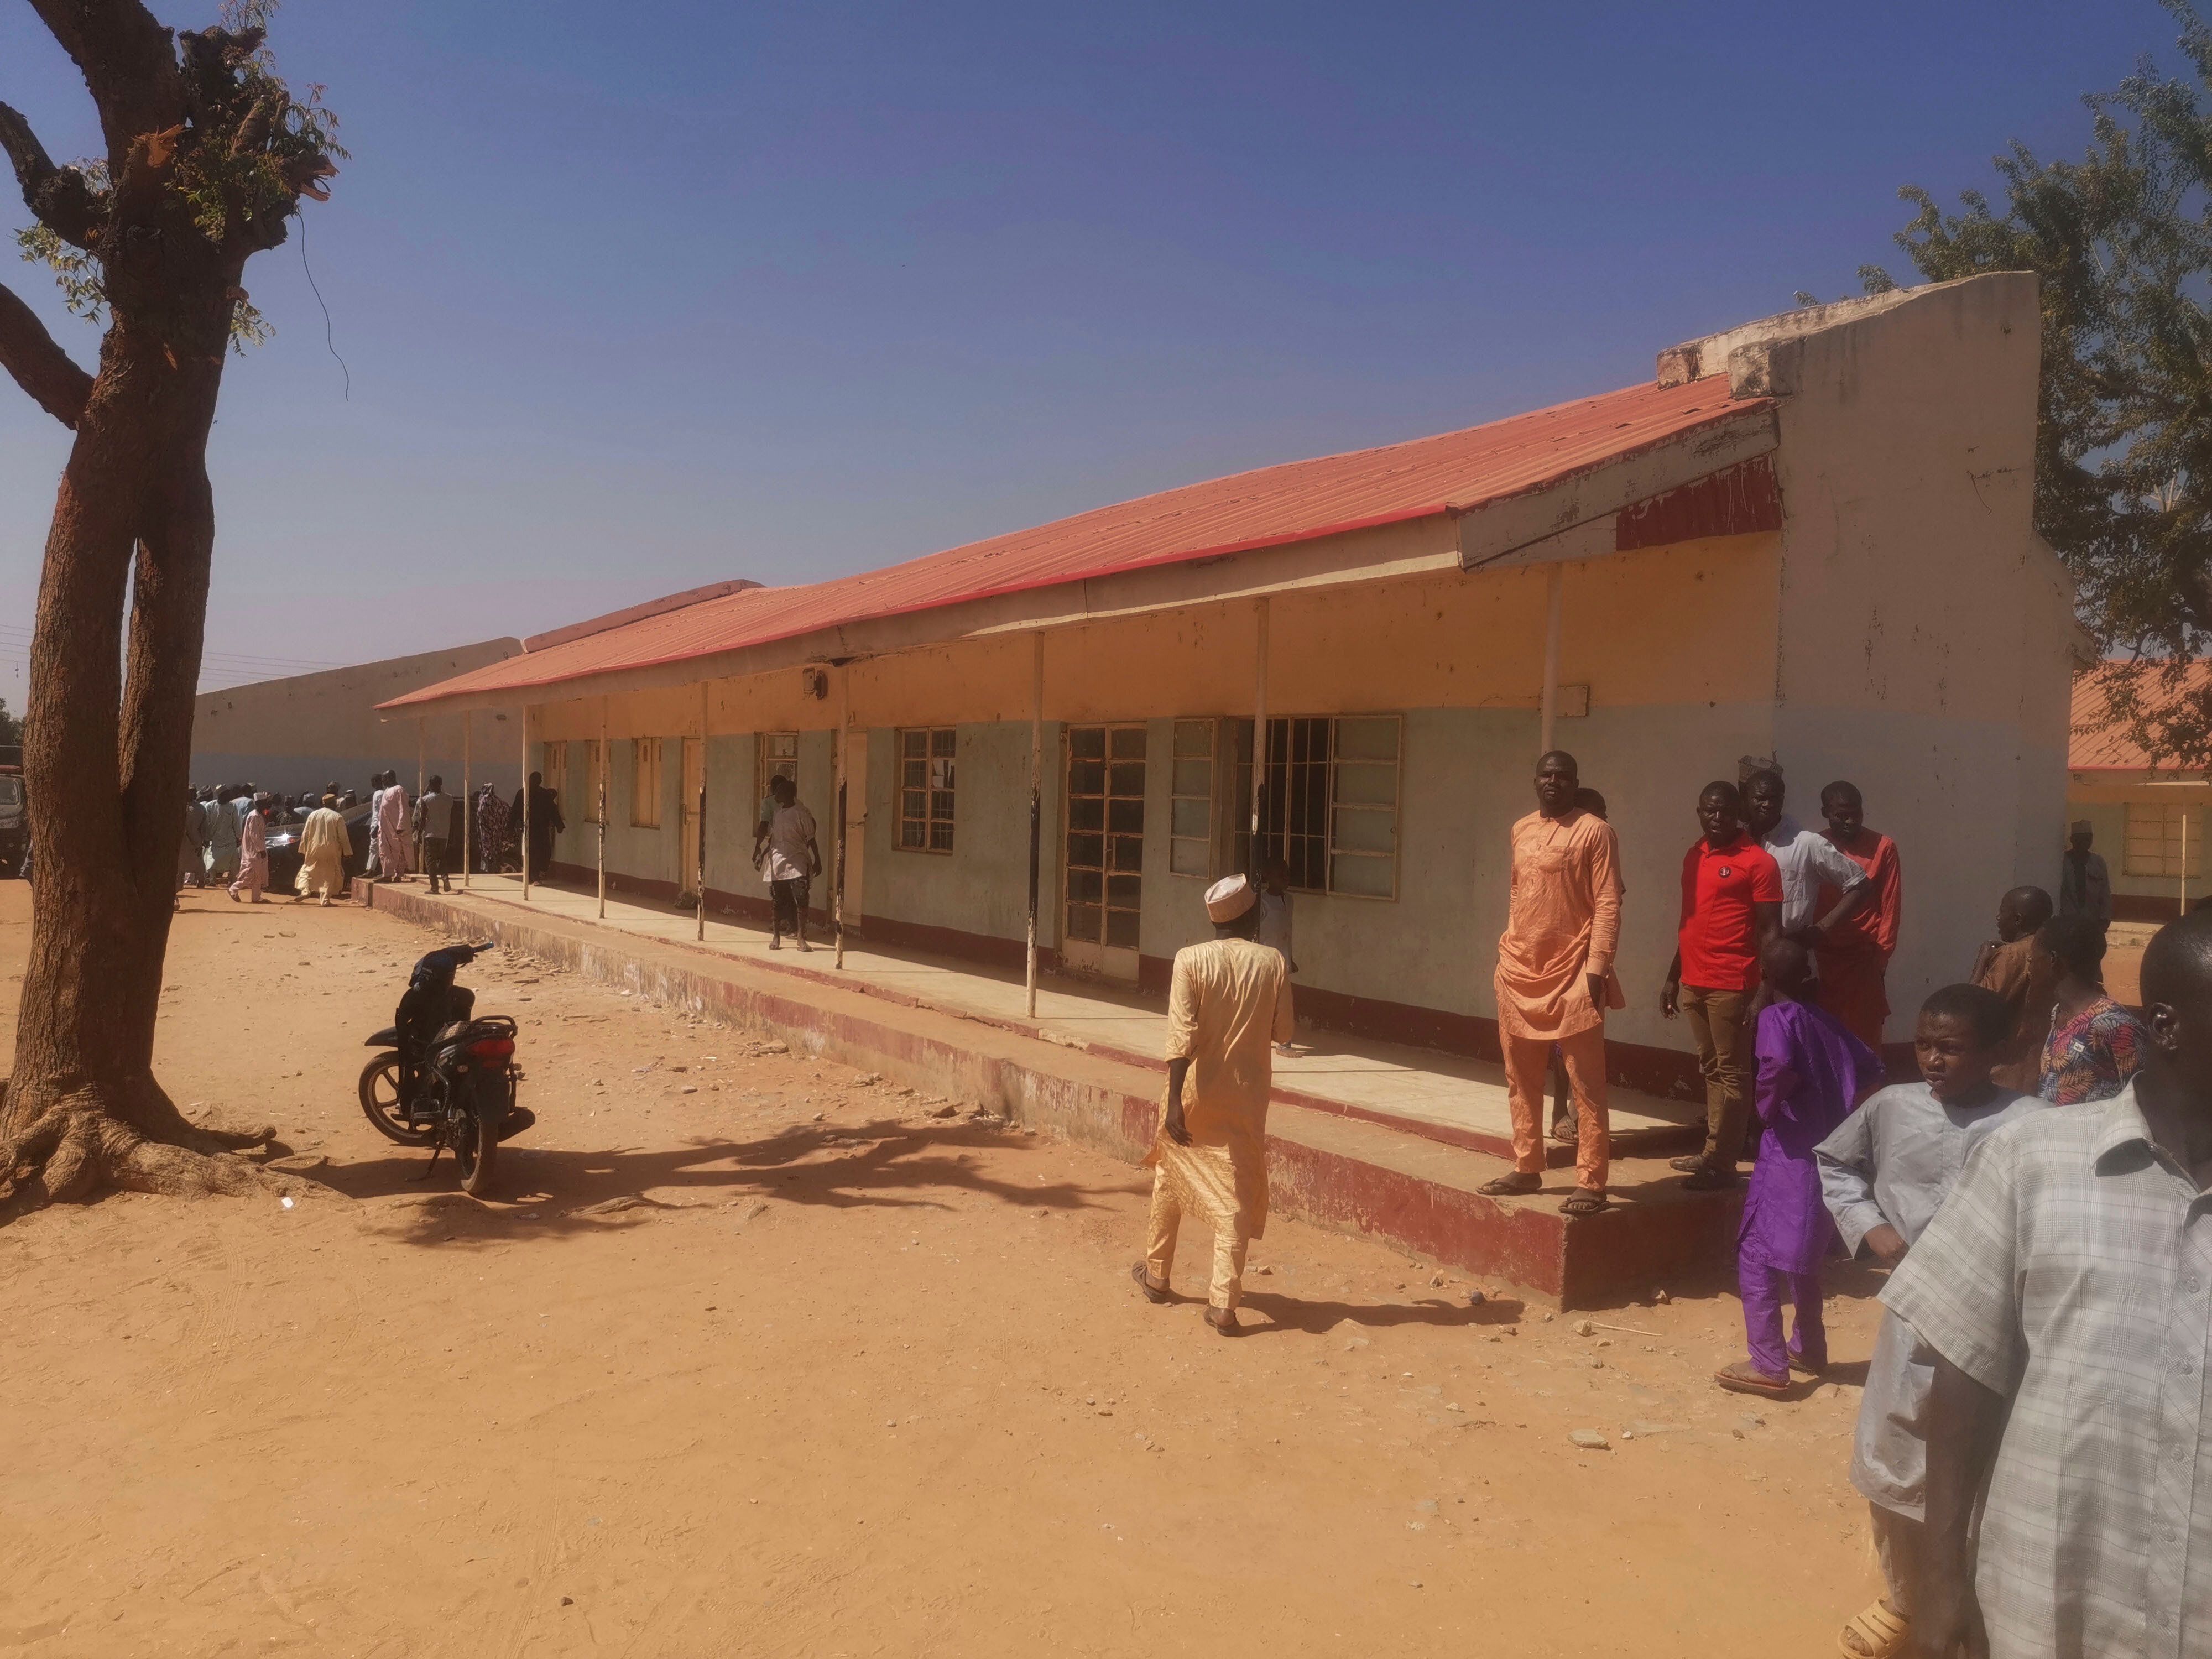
pixel 1103 864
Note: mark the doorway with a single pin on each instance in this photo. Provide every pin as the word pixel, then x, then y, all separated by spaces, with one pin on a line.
pixel 1104 850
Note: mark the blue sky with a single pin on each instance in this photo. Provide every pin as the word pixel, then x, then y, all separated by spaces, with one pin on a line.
pixel 636 298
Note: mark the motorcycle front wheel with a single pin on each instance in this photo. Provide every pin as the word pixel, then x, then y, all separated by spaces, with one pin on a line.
pixel 379 1101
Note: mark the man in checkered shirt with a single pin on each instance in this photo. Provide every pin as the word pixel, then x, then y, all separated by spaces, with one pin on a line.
pixel 2066 1287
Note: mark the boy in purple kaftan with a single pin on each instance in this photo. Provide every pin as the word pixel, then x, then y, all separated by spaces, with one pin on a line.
pixel 1811 1072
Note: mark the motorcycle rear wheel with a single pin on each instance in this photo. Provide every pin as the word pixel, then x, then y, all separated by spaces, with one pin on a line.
pixel 476 1147
pixel 379 1102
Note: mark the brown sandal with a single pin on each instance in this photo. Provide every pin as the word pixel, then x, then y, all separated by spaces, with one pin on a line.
pixel 1740 1379
pixel 1515 1185
pixel 1156 1298
pixel 1586 1202
pixel 1224 1321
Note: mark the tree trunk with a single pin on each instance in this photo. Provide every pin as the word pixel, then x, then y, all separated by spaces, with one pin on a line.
pixel 111 759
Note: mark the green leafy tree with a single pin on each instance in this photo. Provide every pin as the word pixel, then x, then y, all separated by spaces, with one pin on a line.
pixel 207 153
pixel 2122 239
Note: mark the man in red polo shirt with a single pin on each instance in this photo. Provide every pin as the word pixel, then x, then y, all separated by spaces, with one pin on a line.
pixel 1731 906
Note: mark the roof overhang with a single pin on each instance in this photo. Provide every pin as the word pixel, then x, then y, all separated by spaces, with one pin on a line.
pixel 1683 487
pixel 1538 525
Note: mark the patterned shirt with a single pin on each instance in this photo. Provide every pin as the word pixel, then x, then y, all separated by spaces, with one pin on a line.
pixel 2092 1055
pixel 2067 1271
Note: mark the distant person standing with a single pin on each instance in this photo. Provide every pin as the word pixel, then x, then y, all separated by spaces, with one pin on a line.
pixel 393 853
pixel 1855 952
pixel 2085 886
pixel 1811 1071
pixel 2095 1046
pixel 537 812
pixel 491 826
pixel 434 830
pixel 1805 858
pixel 191 852
pixel 789 860
pixel 1553 983
pixel 222 838
pixel 2005 965
pixel 1731 906
pixel 252 852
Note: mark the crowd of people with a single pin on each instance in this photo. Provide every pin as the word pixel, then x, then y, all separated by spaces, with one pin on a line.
pixel 2029 1434
pixel 338 834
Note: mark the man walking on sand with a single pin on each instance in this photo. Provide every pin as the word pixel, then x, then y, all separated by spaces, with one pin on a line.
pixel 1227 1003
pixel 1553 981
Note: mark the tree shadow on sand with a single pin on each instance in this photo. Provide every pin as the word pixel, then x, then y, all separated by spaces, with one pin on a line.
pixel 553 1193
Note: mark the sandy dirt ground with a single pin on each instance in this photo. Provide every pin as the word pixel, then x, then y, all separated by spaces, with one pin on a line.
pixel 759 1356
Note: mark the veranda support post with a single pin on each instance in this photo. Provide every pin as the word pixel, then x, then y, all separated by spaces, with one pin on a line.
pixel 525 803
pixel 468 797
pixel 1554 587
pixel 600 785
pixel 701 876
pixel 1036 815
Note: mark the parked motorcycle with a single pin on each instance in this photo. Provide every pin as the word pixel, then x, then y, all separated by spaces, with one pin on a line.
pixel 447 1080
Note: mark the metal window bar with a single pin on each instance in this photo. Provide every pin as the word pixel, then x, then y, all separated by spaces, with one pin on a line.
pixel 926 792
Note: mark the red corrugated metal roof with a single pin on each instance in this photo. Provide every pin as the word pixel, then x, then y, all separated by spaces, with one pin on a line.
pixel 2096 744
pixel 1276 506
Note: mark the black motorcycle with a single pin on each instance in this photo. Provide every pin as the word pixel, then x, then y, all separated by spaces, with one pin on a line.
pixel 447 1080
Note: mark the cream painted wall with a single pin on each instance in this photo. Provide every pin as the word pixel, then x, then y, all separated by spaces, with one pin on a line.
pixel 300 733
pixel 1926 633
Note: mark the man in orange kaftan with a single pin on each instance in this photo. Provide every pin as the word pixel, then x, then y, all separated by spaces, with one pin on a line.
pixel 1554 979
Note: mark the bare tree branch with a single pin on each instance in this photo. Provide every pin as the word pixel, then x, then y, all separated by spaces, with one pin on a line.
pixel 129 62
pixel 58 198
pixel 39 366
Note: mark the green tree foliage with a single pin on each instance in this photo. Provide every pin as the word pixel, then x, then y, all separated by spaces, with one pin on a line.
pixel 2122 239
pixel 11 727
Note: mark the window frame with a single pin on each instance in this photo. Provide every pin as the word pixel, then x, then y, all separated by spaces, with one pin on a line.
pixel 1236 828
pixel 931 821
pixel 553 764
pixel 640 798
pixel 2173 816
pixel 1210 840
pixel 767 764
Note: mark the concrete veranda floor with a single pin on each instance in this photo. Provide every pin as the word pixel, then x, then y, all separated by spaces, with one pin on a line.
pixel 1422 1087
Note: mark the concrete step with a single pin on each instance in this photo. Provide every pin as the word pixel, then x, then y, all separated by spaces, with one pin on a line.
pixel 1413 1190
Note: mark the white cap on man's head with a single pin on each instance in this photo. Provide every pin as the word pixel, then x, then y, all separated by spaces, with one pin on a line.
pixel 1229 899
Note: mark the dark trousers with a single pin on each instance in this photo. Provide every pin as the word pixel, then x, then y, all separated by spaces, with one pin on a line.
pixel 789 898
pixel 435 866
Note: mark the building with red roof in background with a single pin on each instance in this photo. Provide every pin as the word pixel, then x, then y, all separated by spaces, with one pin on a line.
pixel 1807 538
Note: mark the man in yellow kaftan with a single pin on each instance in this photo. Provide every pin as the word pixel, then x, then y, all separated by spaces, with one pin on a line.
pixel 1230 1000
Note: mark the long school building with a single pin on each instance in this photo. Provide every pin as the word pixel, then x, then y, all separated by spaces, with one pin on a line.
pixel 1806 538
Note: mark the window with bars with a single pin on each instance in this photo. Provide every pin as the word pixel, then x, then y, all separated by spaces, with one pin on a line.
pixel 2165 838
pixel 1190 844
pixel 1105 834
pixel 1329 805
pixel 645 783
pixel 926 770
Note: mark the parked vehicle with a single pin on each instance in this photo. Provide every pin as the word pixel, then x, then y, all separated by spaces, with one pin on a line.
pixel 283 846
pixel 15 823
pixel 447 1079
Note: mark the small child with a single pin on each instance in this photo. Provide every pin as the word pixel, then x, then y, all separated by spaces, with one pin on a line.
pixel 1274 927
pixel 1811 1071
pixel 1884 1174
